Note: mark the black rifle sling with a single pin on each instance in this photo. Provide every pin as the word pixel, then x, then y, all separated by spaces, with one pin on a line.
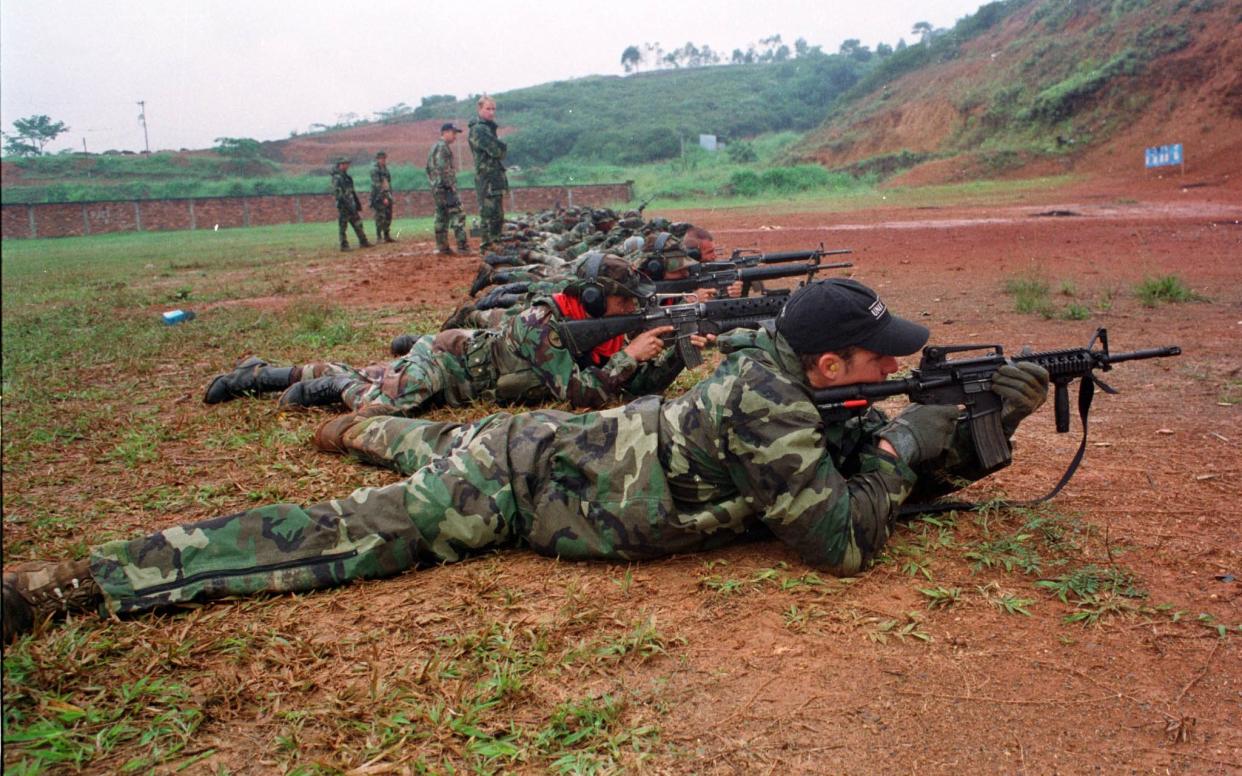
pixel 1086 392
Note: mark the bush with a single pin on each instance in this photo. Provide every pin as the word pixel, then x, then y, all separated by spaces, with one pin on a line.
pixel 1168 288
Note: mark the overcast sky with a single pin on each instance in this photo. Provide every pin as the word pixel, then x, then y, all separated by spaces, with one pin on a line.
pixel 258 68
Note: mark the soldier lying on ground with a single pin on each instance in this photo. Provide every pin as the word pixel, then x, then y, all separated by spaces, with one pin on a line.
pixel 522 361
pixel 745 450
pixel 519 286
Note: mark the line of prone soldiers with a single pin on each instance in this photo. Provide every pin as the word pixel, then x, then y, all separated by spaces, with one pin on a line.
pixel 745 451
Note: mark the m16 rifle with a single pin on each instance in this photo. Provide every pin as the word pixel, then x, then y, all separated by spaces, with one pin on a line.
pixel 711 317
pixel 749 257
pixel 968 382
pixel 719 275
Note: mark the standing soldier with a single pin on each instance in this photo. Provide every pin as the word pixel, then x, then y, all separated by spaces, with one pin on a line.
pixel 381 197
pixel 442 174
pixel 489 172
pixel 347 204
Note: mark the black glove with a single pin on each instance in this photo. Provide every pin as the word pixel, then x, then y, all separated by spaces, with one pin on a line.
pixel 1023 387
pixel 922 432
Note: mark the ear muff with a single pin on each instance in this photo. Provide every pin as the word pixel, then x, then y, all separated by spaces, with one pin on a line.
pixel 591 293
pixel 653 267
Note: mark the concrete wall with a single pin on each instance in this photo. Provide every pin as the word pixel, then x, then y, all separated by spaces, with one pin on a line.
pixel 73 219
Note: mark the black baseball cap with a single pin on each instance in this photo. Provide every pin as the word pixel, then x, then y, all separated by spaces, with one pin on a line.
pixel 838 313
pixel 448 126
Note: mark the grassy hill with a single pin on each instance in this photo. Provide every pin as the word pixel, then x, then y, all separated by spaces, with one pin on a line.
pixel 1046 85
pixel 644 117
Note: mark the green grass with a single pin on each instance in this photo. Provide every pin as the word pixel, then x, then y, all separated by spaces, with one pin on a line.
pixel 1153 291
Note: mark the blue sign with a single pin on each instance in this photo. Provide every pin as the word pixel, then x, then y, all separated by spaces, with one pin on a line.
pixel 1162 156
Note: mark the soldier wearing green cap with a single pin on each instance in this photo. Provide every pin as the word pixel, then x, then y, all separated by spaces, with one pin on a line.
pixel 442 174
pixel 348 207
pixel 381 197
pixel 745 450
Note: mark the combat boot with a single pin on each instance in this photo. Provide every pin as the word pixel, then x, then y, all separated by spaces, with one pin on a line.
pixel 458 319
pixel 402 344
pixel 344 247
pixel 364 243
pixel 319 392
pixel 388 237
pixel 463 246
pixel 482 279
pixel 251 376
pixel 501 260
pixel 442 244
pixel 41 590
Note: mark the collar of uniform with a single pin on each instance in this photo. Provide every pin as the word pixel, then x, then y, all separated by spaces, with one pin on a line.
pixel 770 342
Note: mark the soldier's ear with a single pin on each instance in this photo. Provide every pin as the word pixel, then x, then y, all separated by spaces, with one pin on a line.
pixel 827 370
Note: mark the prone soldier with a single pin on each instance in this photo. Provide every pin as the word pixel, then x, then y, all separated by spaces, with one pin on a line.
pixel 744 450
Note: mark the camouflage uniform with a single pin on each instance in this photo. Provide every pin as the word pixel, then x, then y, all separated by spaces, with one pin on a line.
pixel 381 200
pixel 442 175
pixel 347 206
pixel 489 178
pixel 523 361
pixel 745 449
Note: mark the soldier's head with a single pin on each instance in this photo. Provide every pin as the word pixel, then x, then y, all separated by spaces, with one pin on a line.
pixel 699 244
pixel 381 158
pixel 342 163
pixel 486 107
pixel 844 334
pixel 608 285
pixel 663 257
pixel 449 132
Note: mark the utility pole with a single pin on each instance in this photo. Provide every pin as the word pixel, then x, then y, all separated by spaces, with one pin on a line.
pixel 142 116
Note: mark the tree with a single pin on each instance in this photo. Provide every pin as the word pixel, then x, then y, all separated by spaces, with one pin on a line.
pixel 631 58
pixel 394 113
pixel 436 99
pixel 238 147
pixel 923 30
pixel 32 134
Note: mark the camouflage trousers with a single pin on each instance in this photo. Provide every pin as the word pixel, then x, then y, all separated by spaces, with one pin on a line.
pixel 346 216
pixel 458 502
pixel 405 386
pixel 383 216
pixel 565 485
pixel 491 217
pixel 449 217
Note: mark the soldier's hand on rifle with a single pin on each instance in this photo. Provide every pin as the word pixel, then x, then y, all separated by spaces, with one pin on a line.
pixel 1023 387
pixel 649 344
pixel 922 432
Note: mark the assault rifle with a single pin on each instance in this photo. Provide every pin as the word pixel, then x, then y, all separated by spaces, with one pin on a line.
pixel 722 274
pixel 711 317
pixel 749 257
pixel 968 382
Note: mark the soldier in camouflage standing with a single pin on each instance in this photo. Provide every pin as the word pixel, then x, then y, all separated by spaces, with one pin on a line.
pixel 381 197
pixel 442 174
pixel 490 182
pixel 744 450
pixel 347 204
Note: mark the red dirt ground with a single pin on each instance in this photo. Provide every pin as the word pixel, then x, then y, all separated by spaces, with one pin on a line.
pixel 747 688
pixel 991 692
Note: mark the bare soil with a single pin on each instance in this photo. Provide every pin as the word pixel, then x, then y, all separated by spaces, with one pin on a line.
pixel 991 692
pixel 817 679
